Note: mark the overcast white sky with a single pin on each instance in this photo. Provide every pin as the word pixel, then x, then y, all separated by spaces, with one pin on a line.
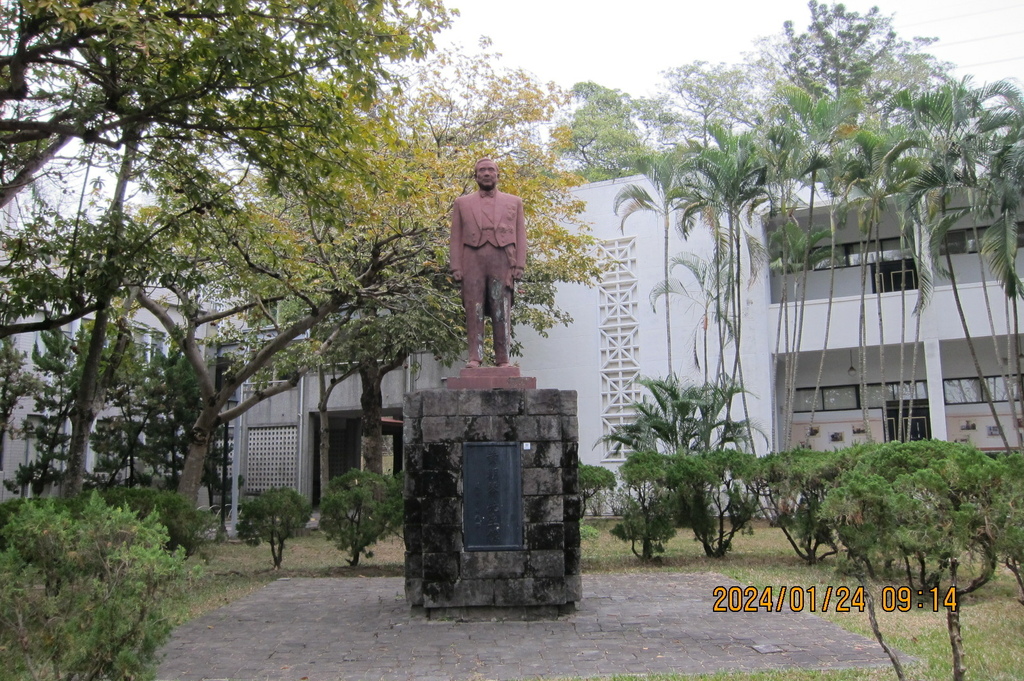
pixel 628 43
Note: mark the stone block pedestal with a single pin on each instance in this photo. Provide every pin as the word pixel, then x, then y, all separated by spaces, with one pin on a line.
pixel 467 553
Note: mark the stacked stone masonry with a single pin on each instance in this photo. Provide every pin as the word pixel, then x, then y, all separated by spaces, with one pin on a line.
pixel 440 574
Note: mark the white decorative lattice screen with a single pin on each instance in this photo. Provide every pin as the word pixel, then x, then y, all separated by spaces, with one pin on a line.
pixel 272 457
pixel 619 328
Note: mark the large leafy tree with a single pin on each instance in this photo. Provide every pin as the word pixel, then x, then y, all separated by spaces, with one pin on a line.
pixel 81 82
pixel 150 91
pixel 608 129
pixel 448 122
pixel 843 51
pixel 711 94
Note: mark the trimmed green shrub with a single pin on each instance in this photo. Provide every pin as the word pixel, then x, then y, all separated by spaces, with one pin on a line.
pixel 273 517
pixel 188 528
pixel 714 497
pixel 594 481
pixel 359 509
pixel 644 504
pixel 919 507
pixel 793 486
pixel 1010 541
pixel 82 597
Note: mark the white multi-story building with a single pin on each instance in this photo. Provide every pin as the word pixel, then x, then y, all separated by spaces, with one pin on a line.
pixel 618 334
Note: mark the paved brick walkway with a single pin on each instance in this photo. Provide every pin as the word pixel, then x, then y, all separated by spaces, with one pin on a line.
pixel 330 629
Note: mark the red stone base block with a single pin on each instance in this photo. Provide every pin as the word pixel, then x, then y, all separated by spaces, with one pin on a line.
pixel 487 378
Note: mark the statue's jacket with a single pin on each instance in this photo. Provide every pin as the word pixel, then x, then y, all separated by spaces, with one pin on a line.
pixel 509 230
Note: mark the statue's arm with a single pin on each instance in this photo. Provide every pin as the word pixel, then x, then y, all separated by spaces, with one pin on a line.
pixel 520 240
pixel 455 244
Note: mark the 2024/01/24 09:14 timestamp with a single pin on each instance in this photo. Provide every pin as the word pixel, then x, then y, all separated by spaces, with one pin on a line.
pixel 905 599
pixel 835 599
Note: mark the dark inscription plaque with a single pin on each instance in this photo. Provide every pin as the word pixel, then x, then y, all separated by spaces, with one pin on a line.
pixel 492 493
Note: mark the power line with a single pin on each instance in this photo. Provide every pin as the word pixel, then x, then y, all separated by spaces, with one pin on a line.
pixel 986 63
pixel 973 40
pixel 961 16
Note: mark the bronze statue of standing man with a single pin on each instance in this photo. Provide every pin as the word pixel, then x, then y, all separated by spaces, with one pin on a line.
pixel 487 254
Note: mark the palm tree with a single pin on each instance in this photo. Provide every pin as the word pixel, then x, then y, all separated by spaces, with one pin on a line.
pixel 710 280
pixel 681 419
pixel 727 180
pixel 664 172
pixel 958 123
pixel 876 173
pixel 800 151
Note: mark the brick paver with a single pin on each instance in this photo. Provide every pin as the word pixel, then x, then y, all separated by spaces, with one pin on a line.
pixel 330 629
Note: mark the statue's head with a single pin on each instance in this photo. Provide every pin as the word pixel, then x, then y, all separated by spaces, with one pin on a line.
pixel 486 174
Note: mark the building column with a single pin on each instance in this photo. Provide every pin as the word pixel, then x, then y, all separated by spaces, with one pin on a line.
pixel 936 396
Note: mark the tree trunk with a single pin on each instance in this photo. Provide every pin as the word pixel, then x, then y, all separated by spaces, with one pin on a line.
pixel 956 641
pixel 83 413
pixel 325 431
pixel 370 399
pixel 198 449
pixel 668 305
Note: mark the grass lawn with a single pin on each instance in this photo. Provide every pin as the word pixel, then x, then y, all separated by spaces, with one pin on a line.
pixel 992 619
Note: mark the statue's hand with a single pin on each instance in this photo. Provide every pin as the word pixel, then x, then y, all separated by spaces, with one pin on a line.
pixel 517 273
pixel 457 275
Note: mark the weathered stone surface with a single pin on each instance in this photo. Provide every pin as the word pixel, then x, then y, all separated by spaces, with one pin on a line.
pixel 414 590
pixel 543 454
pixel 547 590
pixel 413 507
pixel 412 431
pixel 546 536
pixel 544 481
pixel 412 405
pixel 440 567
pixel 572 508
pixel 501 402
pixel 442 511
pixel 442 576
pixel 485 429
pixel 412 456
pixel 474 592
pixel 570 481
pixel 537 428
pixel 544 402
pixel 573 558
pixel 550 564
pixel 439 403
pixel 439 456
pixel 444 428
pixel 574 588
pixel 413 538
pixel 543 509
pixel 436 594
pixel 494 564
pixel 571 534
pixel 570 428
pixel 436 484
pixel 514 592
pixel 442 539
pixel 571 456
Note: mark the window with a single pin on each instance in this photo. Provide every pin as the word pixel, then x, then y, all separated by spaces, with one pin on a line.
pixel 805 398
pixel 961 391
pixel 845 397
pixel 894 275
pixel 969 240
pixel 840 397
pixel 968 390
